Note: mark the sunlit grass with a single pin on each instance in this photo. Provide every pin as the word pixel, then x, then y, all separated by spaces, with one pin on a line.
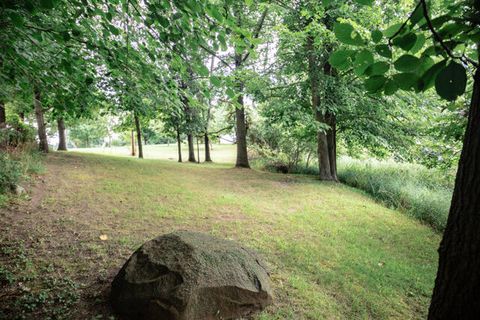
pixel 221 153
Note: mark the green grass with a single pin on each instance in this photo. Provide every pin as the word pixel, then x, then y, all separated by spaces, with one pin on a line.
pixel 333 252
pixel 420 192
pixel 222 153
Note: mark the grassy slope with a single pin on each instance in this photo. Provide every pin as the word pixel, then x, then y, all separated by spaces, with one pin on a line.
pixel 334 253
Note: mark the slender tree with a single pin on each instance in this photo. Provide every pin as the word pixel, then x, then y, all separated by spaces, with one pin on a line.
pixel 41 128
pixel 62 136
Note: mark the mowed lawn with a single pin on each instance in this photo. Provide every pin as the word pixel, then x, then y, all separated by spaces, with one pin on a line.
pixel 220 153
pixel 333 252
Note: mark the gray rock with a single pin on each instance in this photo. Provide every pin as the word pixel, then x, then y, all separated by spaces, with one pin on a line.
pixel 189 276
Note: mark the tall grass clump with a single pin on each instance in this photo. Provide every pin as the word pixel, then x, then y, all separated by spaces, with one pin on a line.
pixel 420 192
pixel 19 156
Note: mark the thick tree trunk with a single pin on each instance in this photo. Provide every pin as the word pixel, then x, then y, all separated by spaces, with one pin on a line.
pixel 207 148
pixel 191 148
pixel 139 135
pixel 241 126
pixel 179 146
pixel 324 169
pixel 62 137
pixel 42 132
pixel 457 287
pixel 242 154
pixel 323 150
pixel 3 117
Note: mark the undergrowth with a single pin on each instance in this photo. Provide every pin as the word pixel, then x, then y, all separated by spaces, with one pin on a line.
pixel 16 166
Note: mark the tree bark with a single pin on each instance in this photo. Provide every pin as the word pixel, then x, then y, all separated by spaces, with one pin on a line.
pixel 198 150
pixel 457 287
pixel 179 146
pixel 207 148
pixel 3 117
pixel 323 150
pixel 191 148
pixel 139 135
pixel 42 132
pixel 132 139
pixel 241 127
pixel 332 144
pixel 62 137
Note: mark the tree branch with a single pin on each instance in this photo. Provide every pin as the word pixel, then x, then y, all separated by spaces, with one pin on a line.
pixel 437 37
pixel 256 33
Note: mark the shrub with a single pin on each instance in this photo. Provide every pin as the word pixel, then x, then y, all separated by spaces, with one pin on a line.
pixel 16 165
pixel 10 172
pixel 16 133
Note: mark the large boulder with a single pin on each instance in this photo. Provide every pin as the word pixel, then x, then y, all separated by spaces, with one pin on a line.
pixel 187 275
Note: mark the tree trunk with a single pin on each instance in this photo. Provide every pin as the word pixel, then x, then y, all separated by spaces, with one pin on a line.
pixel 308 158
pixel 179 145
pixel 3 117
pixel 191 148
pixel 207 148
pixel 42 132
pixel 62 137
pixel 139 135
pixel 198 150
pixel 332 144
pixel 323 157
pixel 132 139
pixel 457 287
pixel 241 127
pixel 325 171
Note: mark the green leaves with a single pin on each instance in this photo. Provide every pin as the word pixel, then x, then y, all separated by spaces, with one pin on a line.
pixel 363 60
pixel 405 81
pixel 377 35
pixel 406 42
pixel 378 68
pixel 407 63
pixel 202 70
pixel 384 51
pixel 16 19
pixel 341 59
pixel 215 13
pixel 47 4
pixel 346 34
pixel 451 81
pixel 216 81
pixel 375 83
pixel 365 2
pixel 392 30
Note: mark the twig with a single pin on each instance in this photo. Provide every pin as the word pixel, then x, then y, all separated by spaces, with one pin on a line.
pixel 437 37
pixel 404 24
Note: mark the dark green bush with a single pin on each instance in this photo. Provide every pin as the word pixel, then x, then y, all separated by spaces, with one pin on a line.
pixel 10 172
pixel 16 133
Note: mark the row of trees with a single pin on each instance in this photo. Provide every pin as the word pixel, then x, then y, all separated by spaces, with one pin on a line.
pixel 317 72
